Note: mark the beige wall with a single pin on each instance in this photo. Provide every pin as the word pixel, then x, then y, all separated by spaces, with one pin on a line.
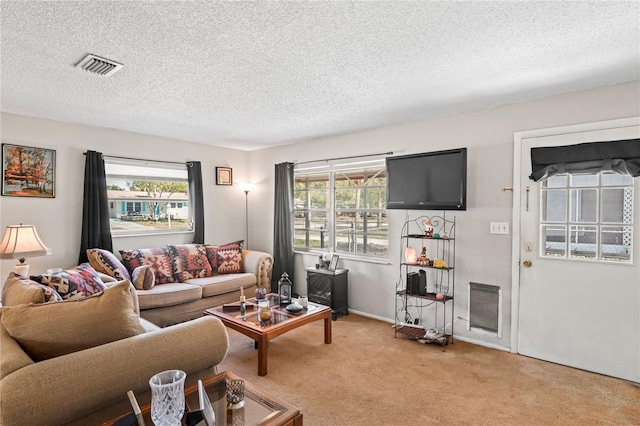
pixel 58 220
pixel 488 135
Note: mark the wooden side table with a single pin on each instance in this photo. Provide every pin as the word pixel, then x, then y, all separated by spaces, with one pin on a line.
pixel 330 288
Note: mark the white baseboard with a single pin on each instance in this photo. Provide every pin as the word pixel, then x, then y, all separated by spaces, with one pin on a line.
pixel 456 337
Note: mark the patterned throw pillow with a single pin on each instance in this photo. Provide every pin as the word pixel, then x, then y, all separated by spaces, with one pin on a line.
pixel 76 283
pixel 106 262
pixel 158 258
pixel 143 277
pixel 227 258
pixel 189 261
pixel 18 290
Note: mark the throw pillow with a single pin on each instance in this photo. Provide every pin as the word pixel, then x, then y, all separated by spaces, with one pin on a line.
pixel 189 261
pixel 106 262
pixel 143 277
pixel 18 289
pixel 157 258
pixel 227 258
pixel 52 329
pixel 82 281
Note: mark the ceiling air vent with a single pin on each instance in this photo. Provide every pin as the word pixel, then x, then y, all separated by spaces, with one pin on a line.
pixel 98 65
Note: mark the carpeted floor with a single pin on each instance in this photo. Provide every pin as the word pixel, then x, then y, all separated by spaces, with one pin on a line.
pixel 366 377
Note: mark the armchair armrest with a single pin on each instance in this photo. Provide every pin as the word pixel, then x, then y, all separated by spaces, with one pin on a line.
pixel 85 382
pixel 260 264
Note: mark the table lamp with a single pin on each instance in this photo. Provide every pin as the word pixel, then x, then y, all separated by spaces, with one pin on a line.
pixel 19 242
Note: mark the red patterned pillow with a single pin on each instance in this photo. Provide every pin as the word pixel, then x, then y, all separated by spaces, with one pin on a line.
pixel 227 258
pixel 75 283
pixel 189 261
pixel 158 258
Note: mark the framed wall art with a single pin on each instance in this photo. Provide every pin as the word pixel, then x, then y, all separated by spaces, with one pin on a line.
pixel 28 171
pixel 224 176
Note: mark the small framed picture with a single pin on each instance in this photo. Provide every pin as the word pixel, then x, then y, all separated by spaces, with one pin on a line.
pixel 28 171
pixel 224 176
pixel 334 262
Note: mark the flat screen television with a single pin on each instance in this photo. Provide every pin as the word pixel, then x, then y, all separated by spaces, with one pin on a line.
pixel 428 181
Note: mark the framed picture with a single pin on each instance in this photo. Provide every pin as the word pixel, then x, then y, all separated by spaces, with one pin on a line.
pixel 224 176
pixel 334 263
pixel 28 171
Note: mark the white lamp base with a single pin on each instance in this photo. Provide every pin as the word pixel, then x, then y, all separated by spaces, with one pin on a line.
pixel 22 269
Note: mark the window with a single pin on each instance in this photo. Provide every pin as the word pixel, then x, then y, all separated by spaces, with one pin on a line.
pixel 587 217
pixel 147 197
pixel 342 210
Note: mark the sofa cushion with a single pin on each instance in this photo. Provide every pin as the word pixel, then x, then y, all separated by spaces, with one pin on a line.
pixel 52 329
pixel 168 294
pixel 189 261
pixel 226 258
pixel 158 258
pixel 143 277
pixel 221 284
pixel 106 262
pixel 82 281
pixel 18 289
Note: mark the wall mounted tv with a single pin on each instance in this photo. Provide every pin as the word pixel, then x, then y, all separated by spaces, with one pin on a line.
pixel 428 181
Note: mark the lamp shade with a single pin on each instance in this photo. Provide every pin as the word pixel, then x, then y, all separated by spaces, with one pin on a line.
pixel 21 241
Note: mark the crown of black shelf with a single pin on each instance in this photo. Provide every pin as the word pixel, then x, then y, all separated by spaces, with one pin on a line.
pixel 424 237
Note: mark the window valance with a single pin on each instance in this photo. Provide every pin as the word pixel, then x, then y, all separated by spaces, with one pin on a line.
pixel 622 157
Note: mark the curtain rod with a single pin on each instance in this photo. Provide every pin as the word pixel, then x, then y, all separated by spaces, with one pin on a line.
pixel 143 159
pixel 344 158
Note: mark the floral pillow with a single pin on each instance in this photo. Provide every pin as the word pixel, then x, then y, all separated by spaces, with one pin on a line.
pixel 157 258
pixel 227 258
pixel 104 261
pixel 189 261
pixel 76 283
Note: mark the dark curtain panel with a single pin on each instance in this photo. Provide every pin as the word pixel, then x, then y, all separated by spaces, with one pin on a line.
pixel 282 226
pixel 96 231
pixel 622 157
pixel 194 171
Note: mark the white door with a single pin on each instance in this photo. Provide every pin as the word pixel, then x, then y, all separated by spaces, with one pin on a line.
pixel 579 297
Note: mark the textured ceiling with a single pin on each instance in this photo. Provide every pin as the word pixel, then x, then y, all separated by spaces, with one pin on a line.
pixel 253 74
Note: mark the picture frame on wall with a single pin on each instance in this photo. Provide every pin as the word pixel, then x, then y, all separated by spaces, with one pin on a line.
pixel 333 265
pixel 224 176
pixel 28 171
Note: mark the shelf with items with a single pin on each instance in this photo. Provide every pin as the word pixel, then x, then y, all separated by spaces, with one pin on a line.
pixel 425 291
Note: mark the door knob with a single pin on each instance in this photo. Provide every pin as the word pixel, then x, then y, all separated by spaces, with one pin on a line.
pixel 527 263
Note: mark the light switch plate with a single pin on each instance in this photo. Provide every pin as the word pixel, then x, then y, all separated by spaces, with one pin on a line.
pixel 501 228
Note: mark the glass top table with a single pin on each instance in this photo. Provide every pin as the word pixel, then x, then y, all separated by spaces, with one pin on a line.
pixel 260 408
pixel 281 322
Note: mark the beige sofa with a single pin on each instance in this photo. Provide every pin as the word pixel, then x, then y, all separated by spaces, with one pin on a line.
pixel 89 385
pixel 172 303
pixel 186 283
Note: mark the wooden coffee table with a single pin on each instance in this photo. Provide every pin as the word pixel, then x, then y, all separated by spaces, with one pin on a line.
pixel 261 408
pixel 281 322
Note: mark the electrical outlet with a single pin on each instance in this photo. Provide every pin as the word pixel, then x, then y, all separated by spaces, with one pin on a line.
pixel 499 228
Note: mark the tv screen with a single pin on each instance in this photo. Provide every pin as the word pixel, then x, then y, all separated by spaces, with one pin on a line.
pixel 428 181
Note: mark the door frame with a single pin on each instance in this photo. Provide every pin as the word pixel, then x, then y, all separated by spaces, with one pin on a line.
pixel 518 193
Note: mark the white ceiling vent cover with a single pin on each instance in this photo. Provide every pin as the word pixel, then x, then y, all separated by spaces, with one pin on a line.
pixel 97 65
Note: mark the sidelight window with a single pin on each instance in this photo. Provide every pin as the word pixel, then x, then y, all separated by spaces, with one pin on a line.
pixel 587 217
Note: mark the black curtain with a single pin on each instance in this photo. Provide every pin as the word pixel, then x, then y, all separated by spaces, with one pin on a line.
pixel 96 231
pixel 194 174
pixel 621 157
pixel 282 226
